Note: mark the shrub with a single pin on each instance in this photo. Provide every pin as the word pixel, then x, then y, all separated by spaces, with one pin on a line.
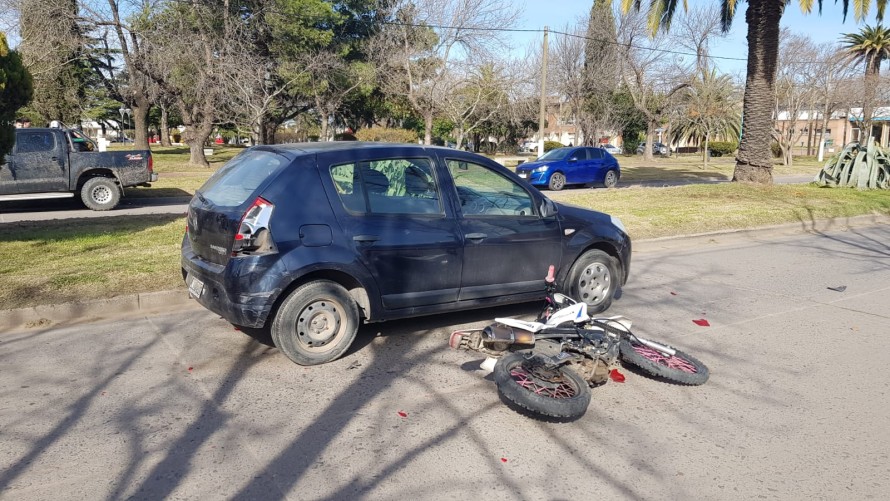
pixel 387 135
pixel 552 145
pixel 776 149
pixel 630 144
pixel 720 148
pixel 345 136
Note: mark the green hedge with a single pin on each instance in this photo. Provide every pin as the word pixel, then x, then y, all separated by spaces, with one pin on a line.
pixel 387 135
pixel 552 145
pixel 720 148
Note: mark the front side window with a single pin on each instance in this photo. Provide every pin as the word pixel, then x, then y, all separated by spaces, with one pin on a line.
pixel 392 186
pixel 484 192
pixel 35 142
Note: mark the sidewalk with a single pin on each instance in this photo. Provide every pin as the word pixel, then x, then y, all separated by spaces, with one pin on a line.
pixel 148 303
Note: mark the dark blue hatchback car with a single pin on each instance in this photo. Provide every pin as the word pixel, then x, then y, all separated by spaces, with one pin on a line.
pixel 308 240
pixel 564 166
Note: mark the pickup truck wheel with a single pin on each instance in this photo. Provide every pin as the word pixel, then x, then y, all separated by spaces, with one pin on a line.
pixel 316 323
pixel 100 193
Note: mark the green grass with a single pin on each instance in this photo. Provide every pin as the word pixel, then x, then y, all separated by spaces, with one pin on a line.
pixel 45 262
pixel 682 210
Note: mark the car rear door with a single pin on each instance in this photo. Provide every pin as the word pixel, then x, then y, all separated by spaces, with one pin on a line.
pixel 507 244
pixel 596 165
pixel 392 209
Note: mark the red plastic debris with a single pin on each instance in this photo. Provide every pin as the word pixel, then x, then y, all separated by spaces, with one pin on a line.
pixel 237 328
pixel 503 460
pixel 616 376
pixel 673 293
pixel 190 369
pixel 702 322
pixel 403 414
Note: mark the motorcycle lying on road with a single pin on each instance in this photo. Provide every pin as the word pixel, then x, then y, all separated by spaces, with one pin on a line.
pixel 548 366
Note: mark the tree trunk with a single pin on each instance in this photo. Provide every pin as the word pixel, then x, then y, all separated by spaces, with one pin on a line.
pixel 195 137
pixel 165 127
pixel 428 128
pixel 821 151
pixel 140 107
pixel 754 163
pixel 871 83
pixel 324 126
pixel 650 137
pixel 707 153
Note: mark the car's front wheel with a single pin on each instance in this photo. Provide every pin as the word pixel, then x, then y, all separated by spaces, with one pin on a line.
pixel 557 181
pixel 316 323
pixel 594 279
pixel 611 179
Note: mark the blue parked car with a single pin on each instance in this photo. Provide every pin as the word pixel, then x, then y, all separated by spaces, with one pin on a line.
pixel 310 240
pixel 563 166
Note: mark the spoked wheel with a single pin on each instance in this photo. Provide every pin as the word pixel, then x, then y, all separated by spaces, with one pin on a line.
pixel 680 368
pixel 523 379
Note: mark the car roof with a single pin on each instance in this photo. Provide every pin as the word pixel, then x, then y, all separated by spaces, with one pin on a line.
pixel 316 147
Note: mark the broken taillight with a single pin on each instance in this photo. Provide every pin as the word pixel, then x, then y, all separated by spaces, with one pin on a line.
pixel 253 235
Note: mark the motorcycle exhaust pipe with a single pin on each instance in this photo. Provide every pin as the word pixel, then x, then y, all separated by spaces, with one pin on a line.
pixel 664 349
pixel 500 333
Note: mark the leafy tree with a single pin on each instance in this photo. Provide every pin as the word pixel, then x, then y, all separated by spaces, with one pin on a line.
pixel 601 67
pixel 711 111
pixel 754 160
pixel 53 49
pixel 16 89
pixel 871 45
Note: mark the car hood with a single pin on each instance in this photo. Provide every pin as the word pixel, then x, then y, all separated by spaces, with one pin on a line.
pixel 532 165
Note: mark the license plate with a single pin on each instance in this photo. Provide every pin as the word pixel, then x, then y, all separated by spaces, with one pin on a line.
pixel 196 287
pixel 523 175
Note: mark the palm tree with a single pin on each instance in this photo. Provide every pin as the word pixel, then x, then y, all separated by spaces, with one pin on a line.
pixel 872 45
pixel 754 161
pixel 711 111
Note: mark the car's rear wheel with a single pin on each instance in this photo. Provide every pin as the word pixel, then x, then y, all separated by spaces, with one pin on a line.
pixel 100 193
pixel 594 279
pixel 557 181
pixel 611 179
pixel 316 323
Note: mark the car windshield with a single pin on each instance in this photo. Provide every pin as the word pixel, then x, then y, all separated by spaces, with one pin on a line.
pixel 557 154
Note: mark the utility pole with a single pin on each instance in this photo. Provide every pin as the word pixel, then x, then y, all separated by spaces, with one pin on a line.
pixel 543 95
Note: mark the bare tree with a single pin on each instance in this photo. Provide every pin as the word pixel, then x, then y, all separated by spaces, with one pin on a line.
pixel 795 92
pixel 695 30
pixel 425 37
pixel 828 77
pixel 652 77
pixel 473 97
pixel 569 77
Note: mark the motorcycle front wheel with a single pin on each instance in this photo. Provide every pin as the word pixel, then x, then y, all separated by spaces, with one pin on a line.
pixel 679 368
pixel 523 380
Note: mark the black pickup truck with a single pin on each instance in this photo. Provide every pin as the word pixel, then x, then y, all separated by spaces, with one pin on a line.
pixel 59 163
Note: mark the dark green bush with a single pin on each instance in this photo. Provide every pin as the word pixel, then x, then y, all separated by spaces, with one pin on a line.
pixel 776 149
pixel 552 145
pixel 720 148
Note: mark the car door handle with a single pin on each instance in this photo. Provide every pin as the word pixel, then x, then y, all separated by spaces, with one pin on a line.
pixel 366 239
pixel 476 236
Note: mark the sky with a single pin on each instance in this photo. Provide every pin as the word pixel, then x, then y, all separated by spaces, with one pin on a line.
pixel 827 28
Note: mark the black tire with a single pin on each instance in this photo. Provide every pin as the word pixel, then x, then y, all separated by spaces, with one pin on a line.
pixel 557 181
pixel 594 279
pixel 316 323
pixel 569 393
pixel 100 193
pixel 610 179
pixel 680 368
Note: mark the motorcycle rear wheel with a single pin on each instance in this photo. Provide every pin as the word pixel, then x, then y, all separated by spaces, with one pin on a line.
pixel 680 368
pixel 560 393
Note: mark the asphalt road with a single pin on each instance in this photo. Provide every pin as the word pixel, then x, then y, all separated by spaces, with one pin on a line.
pixel 182 406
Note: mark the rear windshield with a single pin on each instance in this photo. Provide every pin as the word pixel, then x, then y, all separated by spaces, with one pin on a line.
pixel 236 181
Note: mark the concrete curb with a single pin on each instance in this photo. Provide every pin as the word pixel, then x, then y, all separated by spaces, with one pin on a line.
pixel 177 300
pixel 144 303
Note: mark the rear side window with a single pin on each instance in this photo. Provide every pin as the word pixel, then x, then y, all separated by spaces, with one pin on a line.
pixel 595 153
pixel 34 142
pixel 392 186
pixel 237 180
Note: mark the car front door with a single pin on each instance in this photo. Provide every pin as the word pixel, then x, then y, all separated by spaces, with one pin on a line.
pixel 38 162
pixel 577 163
pixel 507 244
pixel 403 233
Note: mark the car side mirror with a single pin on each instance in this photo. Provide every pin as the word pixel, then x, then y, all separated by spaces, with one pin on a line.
pixel 548 208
